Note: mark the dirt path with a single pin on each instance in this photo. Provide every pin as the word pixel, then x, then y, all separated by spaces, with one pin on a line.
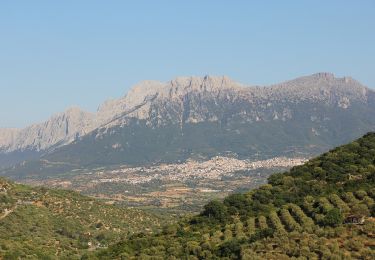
pixel 7 212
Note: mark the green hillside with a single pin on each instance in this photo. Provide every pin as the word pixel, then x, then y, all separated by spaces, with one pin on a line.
pixel 39 223
pixel 310 212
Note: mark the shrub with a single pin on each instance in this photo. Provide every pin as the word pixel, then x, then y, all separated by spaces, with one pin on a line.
pixel 333 218
pixel 215 210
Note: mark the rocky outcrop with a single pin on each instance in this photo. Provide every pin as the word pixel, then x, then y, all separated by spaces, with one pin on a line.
pixel 195 99
pixel 7 137
pixel 60 129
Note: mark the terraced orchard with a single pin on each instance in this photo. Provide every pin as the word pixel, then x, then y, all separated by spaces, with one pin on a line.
pixel 323 209
pixel 38 222
pixel 293 218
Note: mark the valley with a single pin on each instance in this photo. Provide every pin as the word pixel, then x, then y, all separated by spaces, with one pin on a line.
pixel 178 187
pixel 320 208
pixel 323 209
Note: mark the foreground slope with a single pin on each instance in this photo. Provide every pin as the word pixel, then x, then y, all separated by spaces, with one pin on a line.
pixel 38 222
pixel 322 209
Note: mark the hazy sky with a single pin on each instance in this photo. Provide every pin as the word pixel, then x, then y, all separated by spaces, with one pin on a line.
pixel 55 54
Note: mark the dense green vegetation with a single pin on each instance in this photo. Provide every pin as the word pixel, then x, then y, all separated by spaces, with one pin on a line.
pixel 41 223
pixel 323 209
pixel 309 212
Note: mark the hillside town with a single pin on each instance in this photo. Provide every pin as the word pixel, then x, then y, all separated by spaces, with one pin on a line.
pixel 214 169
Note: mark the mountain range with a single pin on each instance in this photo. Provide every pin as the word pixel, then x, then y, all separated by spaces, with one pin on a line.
pixel 198 117
pixel 322 209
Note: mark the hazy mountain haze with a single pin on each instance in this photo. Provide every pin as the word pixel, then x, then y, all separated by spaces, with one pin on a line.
pixel 54 54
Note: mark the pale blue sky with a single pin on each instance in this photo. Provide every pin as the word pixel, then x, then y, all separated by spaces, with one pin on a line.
pixel 55 54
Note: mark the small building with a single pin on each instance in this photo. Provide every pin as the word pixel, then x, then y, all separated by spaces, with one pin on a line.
pixel 355 219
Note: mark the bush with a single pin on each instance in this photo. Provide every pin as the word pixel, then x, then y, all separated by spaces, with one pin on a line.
pixel 215 210
pixel 333 218
pixel 372 211
pixel 231 248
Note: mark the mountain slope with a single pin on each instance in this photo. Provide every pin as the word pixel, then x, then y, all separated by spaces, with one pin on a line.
pixel 29 143
pixel 38 222
pixel 323 209
pixel 196 117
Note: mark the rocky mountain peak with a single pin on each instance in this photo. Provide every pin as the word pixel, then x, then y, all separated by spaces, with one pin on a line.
pixel 7 136
pixel 75 110
pixel 206 83
pixel 330 77
pixel 323 86
pixel 59 128
pixel 324 75
pixel 137 102
pixel 177 87
pixel 141 91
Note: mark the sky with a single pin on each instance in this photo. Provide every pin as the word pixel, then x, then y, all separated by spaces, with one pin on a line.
pixel 57 54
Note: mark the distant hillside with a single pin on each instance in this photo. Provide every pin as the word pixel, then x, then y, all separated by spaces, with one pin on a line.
pixel 193 117
pixel 38 223
pixel 323 209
